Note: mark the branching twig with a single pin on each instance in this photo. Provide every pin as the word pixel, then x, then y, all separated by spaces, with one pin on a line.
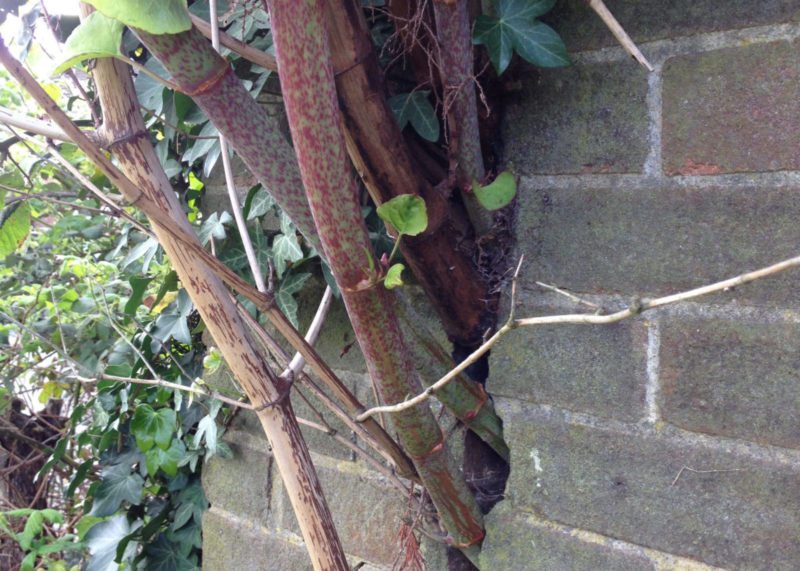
pixel 580 319
pixel 569 295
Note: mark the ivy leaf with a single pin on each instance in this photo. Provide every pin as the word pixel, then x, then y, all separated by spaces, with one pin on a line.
pixel 96 37
pixel 15 225
pixel 151 427
pixel 515 27
pixel 214 226
pixel 138 287
pixel 172 323
pixel 406 213
pixel 394 277
pixel 285 296
pixel 102 540
pixel 149 91
pixel 498 193
pixel 258 203
pixel 207 428
pixel 285 248
pixel 167 460
pixel 541 45
pixel 153 16
pixel 145 251
pixel 166 555
pixel 117 486
pixel 415 108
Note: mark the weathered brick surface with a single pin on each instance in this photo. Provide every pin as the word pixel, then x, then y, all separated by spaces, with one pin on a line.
pixel 644 241
pixel 579 119
pixel 621 482
pixel 647 20
pixel 230 544
pixel 732 379
pixel 600 370
pixel 512 533
pixel 232 484
pixel 366 509
pixel 733 110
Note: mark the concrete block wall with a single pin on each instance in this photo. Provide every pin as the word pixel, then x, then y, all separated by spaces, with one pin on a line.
pixel 671 441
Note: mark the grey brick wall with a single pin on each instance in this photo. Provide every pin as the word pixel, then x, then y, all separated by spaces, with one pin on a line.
pixel 666 442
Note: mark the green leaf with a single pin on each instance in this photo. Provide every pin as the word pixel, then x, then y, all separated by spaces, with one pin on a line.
pixel 151 427
pixel 406 213
pixel 102 540
pixel 285 248
pixel 145 251
pixel 154 16
pixel 118 485
pixel 415 108
pixel 15 225
pixel 214 226
pixel 96 37
pixel 165 555
pixel 172 323
pixel 541 45
pixel 258 203
pixel 498 193
pixel 149 91
pixel 167 460
pixel 515 27
pixel 138 287
pixel 394 277
pixel 285 296
pixel 207 428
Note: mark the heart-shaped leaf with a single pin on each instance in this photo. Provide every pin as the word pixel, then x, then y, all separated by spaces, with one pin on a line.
pixel 96 37
pixel 498 193
pixel 154 16
pixel 406 213
pixel 394 277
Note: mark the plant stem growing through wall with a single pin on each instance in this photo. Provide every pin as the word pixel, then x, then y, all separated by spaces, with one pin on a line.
pixel 307 80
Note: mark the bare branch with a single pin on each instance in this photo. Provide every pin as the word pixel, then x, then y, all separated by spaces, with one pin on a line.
pixel 32 125
pixel 581 319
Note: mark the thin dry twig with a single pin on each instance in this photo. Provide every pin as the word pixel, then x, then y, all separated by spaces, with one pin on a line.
pixel 632 310
pixel 569 295
pixel 688 469
pixel 619 32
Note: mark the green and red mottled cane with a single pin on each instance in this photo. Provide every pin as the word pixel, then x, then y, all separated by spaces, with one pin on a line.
pixel 307 81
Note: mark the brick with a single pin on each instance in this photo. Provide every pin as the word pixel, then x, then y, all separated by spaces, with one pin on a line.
pixel 599 370
pixel 732 379
pixel 367 511
pixel 620 481
pixel 243 485
pixel 510 534
pixel 648 20
pixel 581 119
pixel 232 544
pixel 732 110
pixel 646 241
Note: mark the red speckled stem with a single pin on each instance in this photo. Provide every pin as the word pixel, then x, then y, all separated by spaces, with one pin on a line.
pixel 301 43
pixel 456 67
pixel 202 73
